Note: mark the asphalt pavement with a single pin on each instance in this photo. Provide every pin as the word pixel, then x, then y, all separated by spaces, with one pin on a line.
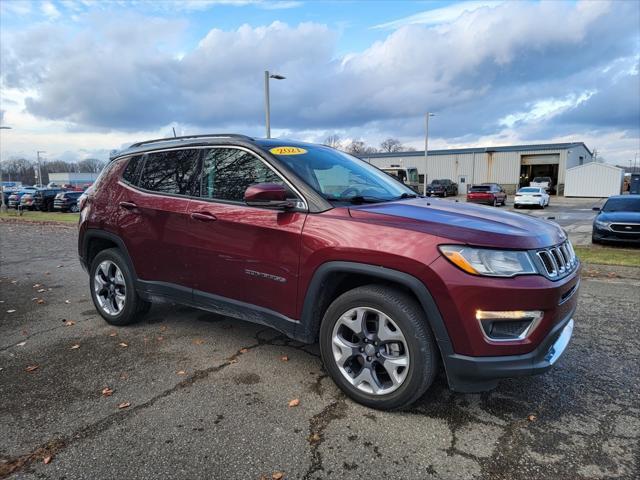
pixel 202 396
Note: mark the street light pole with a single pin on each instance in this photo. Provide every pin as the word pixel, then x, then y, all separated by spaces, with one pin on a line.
pixel 426 150
pixel 3 205
pixel 267 106
pixel 39 169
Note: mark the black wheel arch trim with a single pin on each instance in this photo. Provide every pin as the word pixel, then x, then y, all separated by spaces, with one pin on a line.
pixel 311 316
pixel 94 233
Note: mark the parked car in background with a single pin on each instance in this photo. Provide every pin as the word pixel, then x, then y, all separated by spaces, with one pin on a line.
pixel 442 188
pixel 14 199
pixel 543 182
pixel 43 198
pixel 67 201
pixel 487 193
pixel 408 176
pixel 618 220
pixel 531 197
pixel 27 202
pixel 263 230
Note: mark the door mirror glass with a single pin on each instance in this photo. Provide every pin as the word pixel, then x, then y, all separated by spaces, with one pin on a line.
pixel 270 195
pixel 596 209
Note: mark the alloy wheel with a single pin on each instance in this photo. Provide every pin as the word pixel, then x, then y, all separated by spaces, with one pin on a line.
pixel 110 288
pixel 370 350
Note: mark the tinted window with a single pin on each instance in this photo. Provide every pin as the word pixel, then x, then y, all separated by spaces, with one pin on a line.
pixel 529 190
pixel 340 177
pixel 175 172
pixel 480 188
pixel 228 172
pixel 630 204
pixel 131 173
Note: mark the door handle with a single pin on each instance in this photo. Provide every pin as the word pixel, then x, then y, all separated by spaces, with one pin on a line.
pixel 203 217
pixel 128 205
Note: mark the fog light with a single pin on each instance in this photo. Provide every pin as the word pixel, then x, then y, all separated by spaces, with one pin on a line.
pixel 508 325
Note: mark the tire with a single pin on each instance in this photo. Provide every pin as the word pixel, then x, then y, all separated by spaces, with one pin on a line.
pixel 74 208
pixel 418 345
pixel 444 194
pixel 495 202
pixel 132 307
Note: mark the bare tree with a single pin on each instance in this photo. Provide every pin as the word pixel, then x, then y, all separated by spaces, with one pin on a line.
pixel 91 165
pixel 333 141
pixel 391 145
pixel 358 147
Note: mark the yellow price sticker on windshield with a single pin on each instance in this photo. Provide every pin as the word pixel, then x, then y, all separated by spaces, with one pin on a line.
pixel 287 151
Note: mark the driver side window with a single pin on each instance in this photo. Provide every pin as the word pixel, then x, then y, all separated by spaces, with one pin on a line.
pixel 228 172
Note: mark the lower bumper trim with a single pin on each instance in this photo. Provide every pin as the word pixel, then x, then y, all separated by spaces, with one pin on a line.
pixel 476 374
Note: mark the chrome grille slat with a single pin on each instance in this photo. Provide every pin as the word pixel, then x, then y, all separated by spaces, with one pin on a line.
pixel 559 260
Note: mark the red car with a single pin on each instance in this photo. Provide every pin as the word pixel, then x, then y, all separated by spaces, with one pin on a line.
pixel 324 247
pixel 487 193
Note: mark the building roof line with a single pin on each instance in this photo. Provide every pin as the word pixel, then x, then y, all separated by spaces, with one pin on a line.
pixel 505 148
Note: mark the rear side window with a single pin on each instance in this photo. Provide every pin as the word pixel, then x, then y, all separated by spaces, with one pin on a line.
pixel 131 173
pixel 228 172
pixel 175 172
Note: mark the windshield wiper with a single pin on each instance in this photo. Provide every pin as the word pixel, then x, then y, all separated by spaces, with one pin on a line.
pixel 358 199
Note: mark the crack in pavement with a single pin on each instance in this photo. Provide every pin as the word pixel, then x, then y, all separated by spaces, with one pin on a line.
pixel 12 465
pixel 317 425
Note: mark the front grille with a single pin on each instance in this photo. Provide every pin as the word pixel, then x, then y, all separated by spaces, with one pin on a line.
pixel 626 227
pixel 558 261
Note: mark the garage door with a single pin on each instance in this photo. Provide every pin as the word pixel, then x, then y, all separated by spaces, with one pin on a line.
pixel 548 159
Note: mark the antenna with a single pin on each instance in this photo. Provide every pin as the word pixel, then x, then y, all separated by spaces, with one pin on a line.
pixel 174 132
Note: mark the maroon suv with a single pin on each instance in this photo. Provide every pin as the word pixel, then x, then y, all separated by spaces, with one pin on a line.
pixel 324 247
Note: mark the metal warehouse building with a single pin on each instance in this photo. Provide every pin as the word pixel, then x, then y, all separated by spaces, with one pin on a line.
pixel 510 166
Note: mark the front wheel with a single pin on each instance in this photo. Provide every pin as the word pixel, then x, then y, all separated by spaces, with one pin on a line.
pixel 113 289
pixel 495 202
pixel 75 208
pixel 444 194
pixel 376 345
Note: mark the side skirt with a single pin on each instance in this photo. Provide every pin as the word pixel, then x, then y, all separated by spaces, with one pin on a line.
pixel 167 292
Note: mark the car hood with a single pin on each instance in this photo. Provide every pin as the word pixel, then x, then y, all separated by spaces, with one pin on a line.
pixel 619 217
pixel 465 223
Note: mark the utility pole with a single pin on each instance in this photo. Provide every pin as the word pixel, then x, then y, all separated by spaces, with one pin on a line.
pixel 267 106
pixel 426 150
pixel 39 168
pixel 3 205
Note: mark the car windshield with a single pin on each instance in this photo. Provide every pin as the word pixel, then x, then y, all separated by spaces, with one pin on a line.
pixel 437 182
pixel 339 177
pixel 529 190
pixel 542 179
pixel 480 188
pixel 622 205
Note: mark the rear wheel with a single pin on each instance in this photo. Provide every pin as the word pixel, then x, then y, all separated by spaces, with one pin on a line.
pixel 377 347
pixel 444 194
pixel 113 289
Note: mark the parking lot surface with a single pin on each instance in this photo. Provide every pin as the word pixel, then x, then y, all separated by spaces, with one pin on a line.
pixel 203 396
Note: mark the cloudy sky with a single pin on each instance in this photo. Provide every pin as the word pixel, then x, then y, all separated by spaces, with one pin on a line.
pixel 79 78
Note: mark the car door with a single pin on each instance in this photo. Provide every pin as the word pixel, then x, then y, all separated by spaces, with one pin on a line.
pixel 152 207
pixel 243 253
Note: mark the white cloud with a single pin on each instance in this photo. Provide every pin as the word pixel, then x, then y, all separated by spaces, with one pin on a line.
pixel 49 10
pixel 437 16
pixel 512 72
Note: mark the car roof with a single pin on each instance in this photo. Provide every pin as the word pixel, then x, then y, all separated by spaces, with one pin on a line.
pixel 209 139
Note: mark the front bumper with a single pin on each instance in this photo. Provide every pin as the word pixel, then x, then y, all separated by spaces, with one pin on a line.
pixel 606 235
pixel 476 374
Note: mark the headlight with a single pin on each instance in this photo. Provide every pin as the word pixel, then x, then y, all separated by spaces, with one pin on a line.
pixel 600 224
pixel 493 263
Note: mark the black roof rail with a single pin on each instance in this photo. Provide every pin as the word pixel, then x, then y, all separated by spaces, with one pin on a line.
pixel 186 137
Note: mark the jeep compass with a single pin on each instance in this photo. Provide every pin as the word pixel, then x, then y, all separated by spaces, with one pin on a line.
pixel 324 247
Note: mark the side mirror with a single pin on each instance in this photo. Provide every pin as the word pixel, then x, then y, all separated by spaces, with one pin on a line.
pixel 270 195
pixel 596 209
